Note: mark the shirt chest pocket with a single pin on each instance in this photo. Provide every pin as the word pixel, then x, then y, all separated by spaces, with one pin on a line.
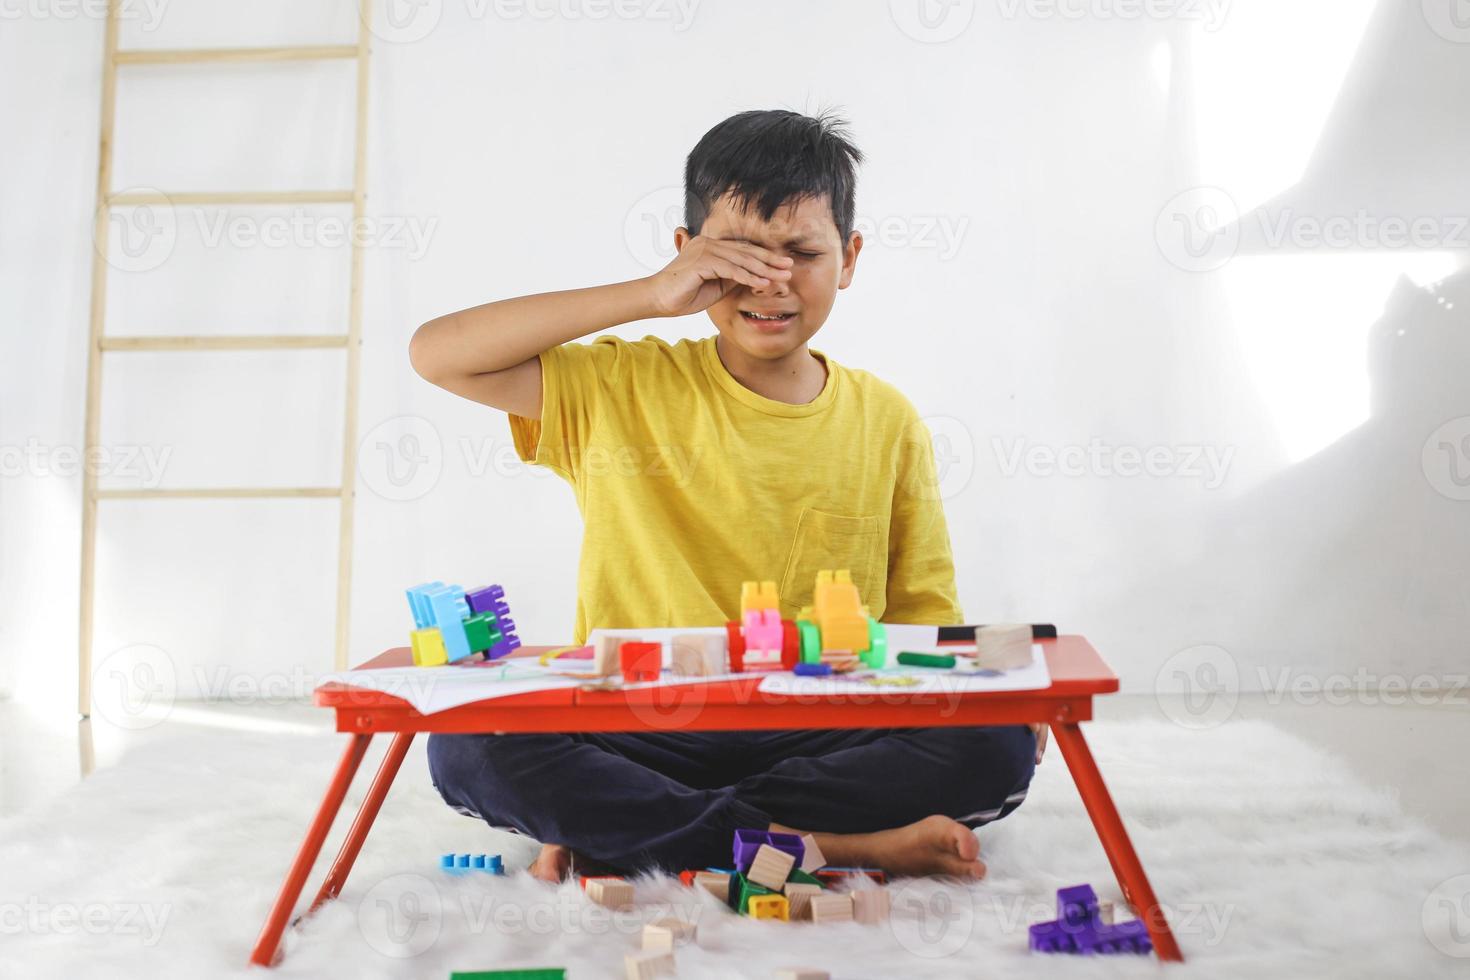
pixel 832 541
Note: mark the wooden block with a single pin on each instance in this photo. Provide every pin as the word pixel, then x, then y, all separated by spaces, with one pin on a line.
pixel 605 654
pixel 662 935
pixel 802 973
pixel 871 906
pixel 715 883
pixel 811 857
pixel 1106 912
pixel 770 867
pixel 700 655
pixel 644 966
pixel 799 894
pixel 1003 647
pixel 611 892
pixel 831 907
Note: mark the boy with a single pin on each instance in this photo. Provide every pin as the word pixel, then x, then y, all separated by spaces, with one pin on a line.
pixel 699 465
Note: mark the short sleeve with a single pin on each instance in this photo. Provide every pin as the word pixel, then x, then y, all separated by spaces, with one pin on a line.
pixel 921 585
pixel 576 382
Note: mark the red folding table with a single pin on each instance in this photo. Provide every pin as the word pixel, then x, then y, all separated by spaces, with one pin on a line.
pixel 1077 673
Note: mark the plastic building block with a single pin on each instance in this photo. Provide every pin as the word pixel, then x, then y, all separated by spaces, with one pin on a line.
pixel 428 647
pixel 557 973
pixel 800 877
pixel 834 876
pixel 465 863
pixel 640 661
pixel 645 966
pixel 611 892
pixel 1080 928
pixel 717 883
pixel 871 906
pixel 763 633
pixel 769 907
pixel 482 632
pixel 838 611
pixel 1003 647
pixel 742 890
pixel 662 935
pixel 812 857
pixel 490 601
pixel 911 658
pixel 802 973
pixel 770 867
pixel 449 609
pixel 418 604
pixel 748 843
pixel 812 670
pixel 758 595
pixel 735 642
pixel 831 907
pixel 876 656
pixel 810 639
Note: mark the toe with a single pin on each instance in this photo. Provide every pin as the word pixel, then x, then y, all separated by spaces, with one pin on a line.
pixel 966 844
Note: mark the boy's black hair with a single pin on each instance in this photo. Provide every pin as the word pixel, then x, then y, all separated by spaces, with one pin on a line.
pixel 771 157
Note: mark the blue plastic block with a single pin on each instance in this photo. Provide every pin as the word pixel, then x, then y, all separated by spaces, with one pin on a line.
pixel 449 610
pixel 418 604
pixel 458 864
pixel 812 670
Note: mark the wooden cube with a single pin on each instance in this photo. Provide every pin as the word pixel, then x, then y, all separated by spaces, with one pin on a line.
pixel 799 894
pixel 831 907
pixel 1107 912
pixel 802 973
pixel 811 856
pixel 605 654
pixel 715 883
pixel 645 966
pixel 770 867
pixel 871 905
pixel 611 892
pixel 662 935
pixel 699 655
pixel 1003 647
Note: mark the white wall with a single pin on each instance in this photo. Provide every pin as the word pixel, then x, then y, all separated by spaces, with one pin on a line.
pixel 1024 281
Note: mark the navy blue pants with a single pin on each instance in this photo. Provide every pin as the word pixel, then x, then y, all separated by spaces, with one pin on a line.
pixel 672 800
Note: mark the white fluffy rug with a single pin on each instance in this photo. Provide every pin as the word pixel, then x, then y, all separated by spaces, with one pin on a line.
pixel 1274 861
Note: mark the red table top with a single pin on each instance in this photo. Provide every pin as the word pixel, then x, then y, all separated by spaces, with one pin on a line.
pixel 1077 673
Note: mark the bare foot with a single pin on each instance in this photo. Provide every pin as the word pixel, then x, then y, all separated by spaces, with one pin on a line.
pixel 552 864
pixel 935 845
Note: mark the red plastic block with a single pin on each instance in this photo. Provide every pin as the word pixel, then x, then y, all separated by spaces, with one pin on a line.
pixel 640 661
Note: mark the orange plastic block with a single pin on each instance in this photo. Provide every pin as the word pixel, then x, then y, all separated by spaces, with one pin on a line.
pixel 837 609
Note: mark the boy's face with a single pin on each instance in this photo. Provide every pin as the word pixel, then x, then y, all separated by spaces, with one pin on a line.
pixel 821 265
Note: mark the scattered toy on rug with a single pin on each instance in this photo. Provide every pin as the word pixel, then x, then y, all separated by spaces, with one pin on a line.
pixel 1085 926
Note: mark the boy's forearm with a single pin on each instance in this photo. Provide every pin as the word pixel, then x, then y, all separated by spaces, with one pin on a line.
pixel 500 335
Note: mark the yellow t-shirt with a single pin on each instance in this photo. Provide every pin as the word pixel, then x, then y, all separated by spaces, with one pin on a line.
pixel 689 483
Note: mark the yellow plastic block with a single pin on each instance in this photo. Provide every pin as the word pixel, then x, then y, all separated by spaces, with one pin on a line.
pixel 428 647
pixel 758 595
pixel 839 612
pixel 769 907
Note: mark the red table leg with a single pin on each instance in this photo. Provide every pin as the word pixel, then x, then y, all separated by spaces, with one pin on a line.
pixel 1114 837
pixel 363 822
pixel 264 953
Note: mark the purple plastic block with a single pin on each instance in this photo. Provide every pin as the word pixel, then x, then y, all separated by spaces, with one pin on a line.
pixel 1122 937
pixel 1049 937
pixel 484 599
pixel 747 842
pixel 1077 904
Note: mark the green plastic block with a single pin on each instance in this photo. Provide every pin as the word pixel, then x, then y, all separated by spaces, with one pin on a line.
pixel 557 973
pixel 744 890
pixel 482 631
pixel 876 656
pixel 804 878
pixel 926 659
pixel 811 641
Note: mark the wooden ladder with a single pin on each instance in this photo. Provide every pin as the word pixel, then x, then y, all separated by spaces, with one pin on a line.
pixel 99 344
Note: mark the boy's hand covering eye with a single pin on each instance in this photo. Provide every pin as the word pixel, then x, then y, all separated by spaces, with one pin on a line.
pixel 707 269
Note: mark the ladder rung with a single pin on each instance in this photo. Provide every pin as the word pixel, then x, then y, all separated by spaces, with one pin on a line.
pixel 184 198
pixel 215 493
pixel 195 343
pixel 189 56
